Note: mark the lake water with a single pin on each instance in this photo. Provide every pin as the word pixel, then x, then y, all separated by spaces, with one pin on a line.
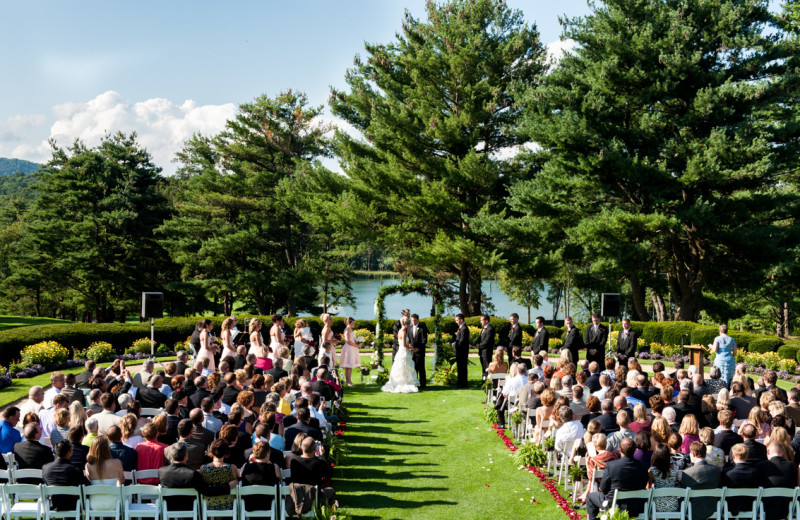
pixel 366 290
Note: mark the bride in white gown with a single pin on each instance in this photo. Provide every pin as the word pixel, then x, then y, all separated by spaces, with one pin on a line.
pixel 403 377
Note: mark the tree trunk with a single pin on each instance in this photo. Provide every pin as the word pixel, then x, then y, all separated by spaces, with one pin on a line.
pixel 779 321
pixel 659 305
pixel 463 298
pixel 475 291
pixel 639 309
pixel 325 298
pixel 786 322
pixel 529 313
pixel 38 300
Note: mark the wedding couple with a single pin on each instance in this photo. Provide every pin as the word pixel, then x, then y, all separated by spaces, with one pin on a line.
pixel 408 355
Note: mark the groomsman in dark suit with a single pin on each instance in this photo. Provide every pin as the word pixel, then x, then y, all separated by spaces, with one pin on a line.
pixel 486 342
pixel 701 475
pixel 514 336
pixel 419 340
pixel 462 351
pixel 626 342
pixel 396 329
pixel 573 340
pixel 596 338
pixel 541 338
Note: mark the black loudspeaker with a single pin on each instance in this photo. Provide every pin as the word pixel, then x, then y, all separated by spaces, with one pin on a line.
pixel 609 304
pixel 152 305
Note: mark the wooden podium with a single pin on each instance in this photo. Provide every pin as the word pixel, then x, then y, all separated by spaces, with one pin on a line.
pixel 696 356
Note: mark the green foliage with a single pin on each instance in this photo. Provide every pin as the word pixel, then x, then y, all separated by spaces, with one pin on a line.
pixel 577 472
pixel 45 353
pixel 765 345
pixel 789 350
pixel 445 375
pixel 139 346
pixel 11 166
pixel 490 414
pixel 530 454
pixel 382 378
pixel 98 351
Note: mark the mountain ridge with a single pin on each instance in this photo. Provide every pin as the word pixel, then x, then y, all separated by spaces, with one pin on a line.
pixel 9 166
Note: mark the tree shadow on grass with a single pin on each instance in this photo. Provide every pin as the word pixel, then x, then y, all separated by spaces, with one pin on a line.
pixel 373 502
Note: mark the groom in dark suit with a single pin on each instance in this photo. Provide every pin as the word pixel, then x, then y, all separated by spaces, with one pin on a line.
pixel 419 340
pixel 514 337
pixel 461 345
pixel 486 342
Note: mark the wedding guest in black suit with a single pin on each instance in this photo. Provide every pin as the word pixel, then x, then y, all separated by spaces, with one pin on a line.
pixel 771 379
pixel 72 393
pixel 725 439
pixel 743 474
pixel 277 372
pixel 595 339
pixel 701 475
pixel 419 342
pixel 756 452
pixel 626 341
pixel 405 313
pixel 461 345
pixel 79 451
pixel 195 450
pixel 82 379
pixel 301 426
pixel 172 407
pixel 180 363
pixel 486 342
pixel 541 338
pixel 625 474
pixel 514 336
pixel 593 381
pixel 178 475
pixel 608 420
pixel 517 358
pixel 120 451
pixel 240 360
pixel 779 473
pixel 205 436
pixel 30 454
pixel 574 342
pixel 62 473
pixel 150 396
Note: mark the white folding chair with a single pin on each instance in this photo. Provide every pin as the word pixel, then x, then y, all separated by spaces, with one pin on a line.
pixel 565 460
pixel 151 412
pixel 11 463
pixel 490 388
pixel 133 505
pixel 71 491
pixel 260 491
pixel 167 513
pixel 718 493
pixel 680 514
pixel 15 507
pixel 597 477
pixel 749 513
pixel 286 474
pixel 102 491
pixel 138 475
pixel 643 494
pixel 29 473
pixel 284 494
pixel 128 476
pixel 778 493
pixel 6 476
pixel 581 461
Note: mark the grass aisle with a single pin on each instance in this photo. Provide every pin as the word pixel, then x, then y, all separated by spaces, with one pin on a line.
pixel 426 456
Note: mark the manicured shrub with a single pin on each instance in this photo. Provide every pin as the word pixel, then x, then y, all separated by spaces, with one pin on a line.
pixel 45 353
pixel 139 346
pixel 704 335
pixel 789 350
pixel 98 351
pixel 765 345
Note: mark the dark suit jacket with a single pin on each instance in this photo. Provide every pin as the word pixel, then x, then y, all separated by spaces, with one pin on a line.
pixel 125 454
pixel 32 455
pixel 608 421
pixel 541 341
pixel 642 394
pixel 62 473
pixel 725 440
pixel 741 475
pixel 781 392
pixel 627 345
pixel 79 454
pixel 151 398
pixel 290 420
pixel 462 339
pixel 702 476
pixel 82 379
pixel 574 343
pixel 276 373
pixel 486 339
pixel 291 432
pixel 180 368
pixel 596 340
pixel 593 382
pixel 309 471
pixel 197 397
pixel 625 474
pixel 420 340
pixel 514 337
pixel 202 435
pixel 74 394
pixel 756 452
pixel 180 475
pixel 196 451
pixel 681 410
pixel 323 389
pixel 779 473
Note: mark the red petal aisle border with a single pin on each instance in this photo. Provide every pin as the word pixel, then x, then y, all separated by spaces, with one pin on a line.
pixel 548 483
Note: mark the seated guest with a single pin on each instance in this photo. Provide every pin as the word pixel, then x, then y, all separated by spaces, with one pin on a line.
pixel 605 386
pixel 195 450
pixel 741 401
pixel 716 383
pixel 129 426
pixel 125 454
pixel 579 409
pixel 70 392
pixel 625 474
pixel 311 469
pixel 779 473
pixel 726 438
pixel 593 409
pixel 569 431
pixel 714 455
pixel 30 454
pixel 623 420
pixel 82 379
pixel 640 421
pixel 92 431
pixel 260 472
pixel 597 461
pixel 663 474
pixel 689 431
pixel 498 365
pixel 701 475
pixel 743 474
pixel 518 378
pixel 643 452
pixel 62 472
pixel 608 419
pixel 150 453
pixel 151 395
pixel 9 435
pixel 756 452
pixel 79 450
pixel 219 472
pixel 178 475
pixel 102 469
pixel 679 459
pixel 59 433
pixel 210 422
pixel 302 426
pixel 516 358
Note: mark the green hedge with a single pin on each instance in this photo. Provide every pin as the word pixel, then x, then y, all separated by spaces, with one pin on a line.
pixel 764 345
pixel 789 350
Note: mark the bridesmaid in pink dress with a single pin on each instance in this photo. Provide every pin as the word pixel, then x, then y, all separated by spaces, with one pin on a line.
pixel 350 357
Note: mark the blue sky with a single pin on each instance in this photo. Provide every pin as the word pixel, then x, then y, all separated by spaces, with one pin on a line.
pixel 167 69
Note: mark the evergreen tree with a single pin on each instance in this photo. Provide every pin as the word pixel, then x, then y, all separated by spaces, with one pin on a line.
pixel 662 149
pixel 436 109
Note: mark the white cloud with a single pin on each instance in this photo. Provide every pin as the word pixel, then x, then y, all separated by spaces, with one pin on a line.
pixel 556 49
pixel 161 125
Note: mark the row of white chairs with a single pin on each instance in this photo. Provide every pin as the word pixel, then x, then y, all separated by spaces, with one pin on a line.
pixel 136 501
pixel 687 495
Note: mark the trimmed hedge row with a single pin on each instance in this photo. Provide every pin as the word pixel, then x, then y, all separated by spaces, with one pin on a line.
pixel 171 330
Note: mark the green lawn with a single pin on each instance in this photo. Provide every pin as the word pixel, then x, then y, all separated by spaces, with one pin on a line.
pixel 11 322
pixel 429 456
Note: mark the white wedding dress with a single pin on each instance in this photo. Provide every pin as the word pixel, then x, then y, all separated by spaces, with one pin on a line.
pixel 403 377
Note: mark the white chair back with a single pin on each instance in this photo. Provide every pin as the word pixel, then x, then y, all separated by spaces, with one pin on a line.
pixel 167 514
pixel 102 490
pixel 138 475
pixel 73 491
pixel 151 412
pixel 242 492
